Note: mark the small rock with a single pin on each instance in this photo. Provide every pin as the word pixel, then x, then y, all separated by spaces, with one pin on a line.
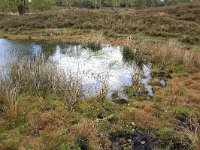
pixel 120 101
pixel 100 116
pixel 129 140
pixel 142 142
pixel 132 123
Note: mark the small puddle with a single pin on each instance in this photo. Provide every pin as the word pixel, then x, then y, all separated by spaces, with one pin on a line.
pixel 95 68
pixel 162 82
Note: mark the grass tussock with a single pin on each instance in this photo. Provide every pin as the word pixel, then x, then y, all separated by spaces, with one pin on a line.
pixel 86 134
pixel 94 46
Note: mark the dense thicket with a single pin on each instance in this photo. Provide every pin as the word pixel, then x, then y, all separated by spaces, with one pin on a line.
pixel 22 5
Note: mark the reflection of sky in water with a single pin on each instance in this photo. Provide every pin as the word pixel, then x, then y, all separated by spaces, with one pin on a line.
pixel 94 68
pixel 11 50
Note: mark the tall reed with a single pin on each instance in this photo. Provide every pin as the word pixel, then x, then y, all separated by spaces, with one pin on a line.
pixel 37 75
pixel 168 54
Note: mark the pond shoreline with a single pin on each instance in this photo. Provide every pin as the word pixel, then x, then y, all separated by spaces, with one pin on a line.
pixel 140 121
pixel 95 66
pixel 42 108
pixel 65 36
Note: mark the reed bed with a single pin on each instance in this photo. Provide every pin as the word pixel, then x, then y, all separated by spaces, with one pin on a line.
pixel 37 76
pixel 168 54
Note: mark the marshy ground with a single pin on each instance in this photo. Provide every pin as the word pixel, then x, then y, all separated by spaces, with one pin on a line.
pixel 37 113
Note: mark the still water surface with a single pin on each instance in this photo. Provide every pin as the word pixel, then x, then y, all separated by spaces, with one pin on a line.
pixel 106 65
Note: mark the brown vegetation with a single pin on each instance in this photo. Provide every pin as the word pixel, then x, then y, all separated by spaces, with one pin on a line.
pixel 36 111
pixel 180 22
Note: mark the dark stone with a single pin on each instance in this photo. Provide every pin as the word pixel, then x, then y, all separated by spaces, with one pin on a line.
pixel 157 114
pixel 183 121
pixel 162 74
pixel 100 116
pixel 143 142
pixel 140 93
pixel 115 95
pixel 139 141
pixel 83 143
pixel 120 101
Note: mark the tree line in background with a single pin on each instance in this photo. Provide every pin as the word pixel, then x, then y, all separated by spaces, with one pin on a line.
pixel 22 6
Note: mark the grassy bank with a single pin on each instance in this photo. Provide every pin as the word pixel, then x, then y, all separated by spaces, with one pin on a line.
pixel 38 111
pixel 180 22
pixel 36 117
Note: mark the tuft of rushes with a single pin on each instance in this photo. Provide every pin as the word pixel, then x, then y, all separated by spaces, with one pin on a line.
pixel 94 46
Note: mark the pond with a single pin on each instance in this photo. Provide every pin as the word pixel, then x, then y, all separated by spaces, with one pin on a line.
pixel 105 65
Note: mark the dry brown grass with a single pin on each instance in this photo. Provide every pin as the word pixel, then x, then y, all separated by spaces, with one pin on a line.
pixel 39 75
pixel 180 105
pixel 146 120
pixel 168 54
pixel 192 131
pixel 148 108
pixel 181 90
pixel 88 131
pixel 29 142
pixel 193 89
pixel 11 103
pixel 34 122
pixel 176 87
pixel 45 119
pixel 141 117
